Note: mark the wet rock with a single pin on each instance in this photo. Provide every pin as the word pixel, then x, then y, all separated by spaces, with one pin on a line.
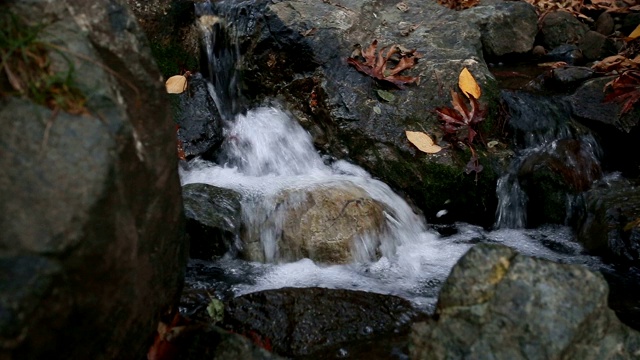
pixel 561 27
pixel 568 53
pixel 571 75
pixel 200 124
pixel 91 221
pixel 297 50
pixel 503 305
pixel 326 224
pixel 505 27
pixel 606 220
pixel 213 219
pixel 562 168
pixel 301 321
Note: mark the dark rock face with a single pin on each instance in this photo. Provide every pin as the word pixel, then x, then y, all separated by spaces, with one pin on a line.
pixel 506 27
pixel 91 244
pixel 200 124
pixel 213 219
pixel 296 51
pixel 501 305
pixel 606 221
pixel 561 27
pixel 300 321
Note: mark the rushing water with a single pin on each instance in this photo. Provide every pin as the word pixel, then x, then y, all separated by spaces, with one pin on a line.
pixel 266 152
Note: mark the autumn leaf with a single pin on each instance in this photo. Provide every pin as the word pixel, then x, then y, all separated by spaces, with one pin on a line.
pixel 625 89
pixel 634 34
pixel 460 120
pixel 376 65
pixel 468 84
pixel 423 142
pixel 176 84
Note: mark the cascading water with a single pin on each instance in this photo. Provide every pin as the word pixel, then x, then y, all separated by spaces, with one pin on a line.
pixel 266 153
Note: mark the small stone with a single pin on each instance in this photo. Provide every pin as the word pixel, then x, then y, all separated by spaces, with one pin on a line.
pixel 605 24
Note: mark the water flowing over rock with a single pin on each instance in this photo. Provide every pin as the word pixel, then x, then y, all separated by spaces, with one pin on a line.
pixel 296 51
pixel 301 321
pixel 327 224
pixel 502 305
pixel 91 245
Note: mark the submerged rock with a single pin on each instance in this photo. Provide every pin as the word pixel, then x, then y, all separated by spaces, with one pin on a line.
pixel 301 321
pixel 499 304
pixel 328 224
pixel 91 224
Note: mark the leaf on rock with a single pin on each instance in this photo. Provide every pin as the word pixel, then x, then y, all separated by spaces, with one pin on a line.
pixel 215 309
pixel 423 142
pixel 376 66
pixel 468 84
pixel 385 95
pixel 625 89
pixel 459 121
pixel 176 84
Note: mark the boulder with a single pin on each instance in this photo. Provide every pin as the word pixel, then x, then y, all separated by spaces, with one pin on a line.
pixel 506 27
pixel 297 51
pixel 595 46
pixel 92 250
pixel 499 304
pixel 302 321
pixel 329 224
pixel 213 220
pixel 561 27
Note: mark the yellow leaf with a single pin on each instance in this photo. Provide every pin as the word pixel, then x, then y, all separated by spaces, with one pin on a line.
pixel 468 84
pixel 423 142
pixel 635 33
pixel 176 84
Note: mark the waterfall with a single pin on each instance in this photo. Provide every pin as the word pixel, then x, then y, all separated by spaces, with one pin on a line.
pixel 541 126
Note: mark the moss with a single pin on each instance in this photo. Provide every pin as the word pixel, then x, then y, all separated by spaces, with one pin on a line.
pixel 172 59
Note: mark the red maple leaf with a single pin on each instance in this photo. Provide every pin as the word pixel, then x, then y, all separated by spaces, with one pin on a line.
pixel 625 89
pixel 376 65
pixel 459 121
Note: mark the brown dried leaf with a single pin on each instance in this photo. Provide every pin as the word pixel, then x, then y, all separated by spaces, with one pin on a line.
pixel 375 65
pixel 468 84
pixel 423 142
pixel 176 84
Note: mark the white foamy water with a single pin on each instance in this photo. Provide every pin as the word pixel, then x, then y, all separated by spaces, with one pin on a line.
pixel 267 152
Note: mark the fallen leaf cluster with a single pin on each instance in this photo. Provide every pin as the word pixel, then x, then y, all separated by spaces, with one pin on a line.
pixel 376 63
pixel 624 89
pixel 578 7
pixel 459 4
pixel 460 122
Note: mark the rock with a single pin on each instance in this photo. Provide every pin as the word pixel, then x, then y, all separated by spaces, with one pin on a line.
pixel 172 32
pixel 629 23
pixel 506 27
pixel 213 220
pixel 571 75
pixel 502 305
pixel 200 124
pixel 326 224
pixel 595 46
pixel 91 224
pixel 568 53
pixel 561 168
pixel 605 24
pixel 302 321
pixel 617 134
pixel 605 224
pixel 297 50
pixel 561 27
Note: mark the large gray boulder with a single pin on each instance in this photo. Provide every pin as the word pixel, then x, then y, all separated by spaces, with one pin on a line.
pixel 91 245
pixel 296 51
pixel 498 304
